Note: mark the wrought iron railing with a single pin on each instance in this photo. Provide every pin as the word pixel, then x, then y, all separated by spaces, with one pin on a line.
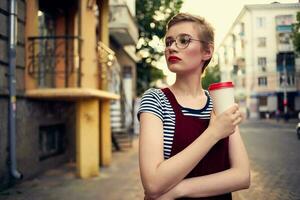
pixel 106 58
pixel 54 61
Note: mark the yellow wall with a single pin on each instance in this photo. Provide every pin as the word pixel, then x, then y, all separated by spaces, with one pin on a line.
pixel 31 29
pixel 88 35
pixel 87 138
pixel 105 134
pixel 61 47
pixel 105 129
pixel 104 32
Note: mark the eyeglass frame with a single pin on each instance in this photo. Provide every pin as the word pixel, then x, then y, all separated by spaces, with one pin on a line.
pixel 190 39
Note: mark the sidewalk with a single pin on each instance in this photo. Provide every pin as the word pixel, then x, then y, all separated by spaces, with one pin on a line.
pixel 291 123
pixel 120 181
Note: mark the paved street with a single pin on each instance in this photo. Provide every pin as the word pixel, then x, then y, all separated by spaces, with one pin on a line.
pixel 273 149
pixel 120 181
pixel 274 152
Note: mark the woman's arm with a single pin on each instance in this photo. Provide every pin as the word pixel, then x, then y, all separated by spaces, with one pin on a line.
pixel 159 175
pixel 233 179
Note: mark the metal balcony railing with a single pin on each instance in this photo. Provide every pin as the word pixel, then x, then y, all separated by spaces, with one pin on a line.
pixel 54 61
pixel 106 58
pixel 288 81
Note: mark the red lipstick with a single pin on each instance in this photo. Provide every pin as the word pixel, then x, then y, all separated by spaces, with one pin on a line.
pixel 173 59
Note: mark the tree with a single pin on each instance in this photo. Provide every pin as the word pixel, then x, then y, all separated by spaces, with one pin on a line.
pixel 211 75
pixel 152 17
pixel 296 34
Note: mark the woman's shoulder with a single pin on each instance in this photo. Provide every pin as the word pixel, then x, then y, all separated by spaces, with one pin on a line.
pixel 152 102
pixel 153 93
pixel 155 96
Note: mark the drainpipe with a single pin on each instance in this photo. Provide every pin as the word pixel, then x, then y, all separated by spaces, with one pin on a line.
pixel 79 44
pixel 12 91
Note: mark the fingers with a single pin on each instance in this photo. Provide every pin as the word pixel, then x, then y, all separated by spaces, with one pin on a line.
pixel 237 121
pixel 237 117
pixel 234 108
pixel 236 114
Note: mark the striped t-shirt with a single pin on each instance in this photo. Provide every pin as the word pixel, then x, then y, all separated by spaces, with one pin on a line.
pixel 156 102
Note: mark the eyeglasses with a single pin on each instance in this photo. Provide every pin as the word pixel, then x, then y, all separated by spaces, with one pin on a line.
pixel 182 41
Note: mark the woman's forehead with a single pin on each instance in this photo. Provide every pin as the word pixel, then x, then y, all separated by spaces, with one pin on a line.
pixel 190 28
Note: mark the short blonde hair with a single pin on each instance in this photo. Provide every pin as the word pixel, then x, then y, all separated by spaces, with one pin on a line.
pixel 206 31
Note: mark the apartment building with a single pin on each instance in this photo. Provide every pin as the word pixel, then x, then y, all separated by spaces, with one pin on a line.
pixel 257 54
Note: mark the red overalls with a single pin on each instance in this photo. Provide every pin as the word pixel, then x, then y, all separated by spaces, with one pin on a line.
pixel 189 128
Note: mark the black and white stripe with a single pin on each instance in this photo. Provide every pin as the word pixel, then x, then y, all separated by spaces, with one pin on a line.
pixel 155 101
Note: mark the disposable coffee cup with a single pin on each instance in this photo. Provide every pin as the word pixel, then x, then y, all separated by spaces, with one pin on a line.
pixel 222 95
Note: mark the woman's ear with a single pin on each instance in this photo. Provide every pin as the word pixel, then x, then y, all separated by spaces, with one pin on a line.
pixel 208 52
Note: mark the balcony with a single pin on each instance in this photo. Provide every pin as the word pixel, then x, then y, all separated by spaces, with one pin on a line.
pixel 289 83
pixel 54 64
pixel 122 26
pixel 297 64
pixel 54 61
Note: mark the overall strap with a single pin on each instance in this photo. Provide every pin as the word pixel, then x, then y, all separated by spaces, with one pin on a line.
pixel 172 100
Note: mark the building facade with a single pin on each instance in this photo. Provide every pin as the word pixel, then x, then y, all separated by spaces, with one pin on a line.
pixel 62 104
pixel 257 54
pixel 123 39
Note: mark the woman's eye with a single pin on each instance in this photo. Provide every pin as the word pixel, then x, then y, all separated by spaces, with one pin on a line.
pixel 184 40
pixel 169 42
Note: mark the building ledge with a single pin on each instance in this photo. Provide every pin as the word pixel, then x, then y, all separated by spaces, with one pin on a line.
pixel 70 94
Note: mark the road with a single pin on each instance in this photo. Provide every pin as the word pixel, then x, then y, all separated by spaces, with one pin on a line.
pixel 274 153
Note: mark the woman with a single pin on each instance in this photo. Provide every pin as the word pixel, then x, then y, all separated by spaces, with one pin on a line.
pixel 185 151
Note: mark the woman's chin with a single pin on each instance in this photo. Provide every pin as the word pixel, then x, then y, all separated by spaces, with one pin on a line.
pixel 175 68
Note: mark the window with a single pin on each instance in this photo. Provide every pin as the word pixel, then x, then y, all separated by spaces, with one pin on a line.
pixel 46 70
pixel 263 101
pixel 261 42
pixel 284 23
pixel 127 72
pixel 285 60
pixel 262 63
pixel 260 22
pixel 51 140
pixel 242 29
pixel 289 81
pixel 262 81
pixel 284 38
pixel 243 44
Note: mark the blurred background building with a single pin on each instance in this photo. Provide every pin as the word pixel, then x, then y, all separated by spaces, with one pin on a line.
pixel 67 69
pixel 122 75
pixel 258 55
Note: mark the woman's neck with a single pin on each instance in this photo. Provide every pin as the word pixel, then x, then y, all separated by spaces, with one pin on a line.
pixel 188 85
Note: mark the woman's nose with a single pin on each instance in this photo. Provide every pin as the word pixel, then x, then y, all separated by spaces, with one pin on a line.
pixel 172 47
pixel 173 44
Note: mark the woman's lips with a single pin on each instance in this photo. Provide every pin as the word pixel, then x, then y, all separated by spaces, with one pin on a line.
pixel 173 59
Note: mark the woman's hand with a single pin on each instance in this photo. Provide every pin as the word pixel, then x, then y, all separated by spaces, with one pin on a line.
pixel 225 123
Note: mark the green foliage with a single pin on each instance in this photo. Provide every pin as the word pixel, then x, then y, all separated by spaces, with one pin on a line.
pixel 211 75
pixel 296 34
pixel 152 17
